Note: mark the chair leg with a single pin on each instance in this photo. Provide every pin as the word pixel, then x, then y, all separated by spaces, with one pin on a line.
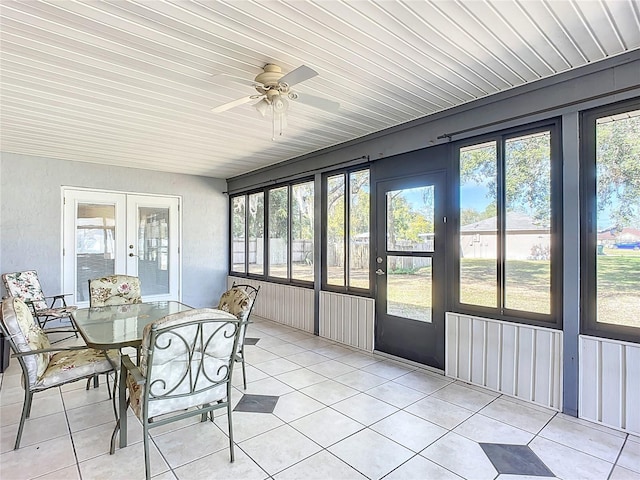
pixel 26 410
pixel 230 428
pixel 244 373
pixel 147 467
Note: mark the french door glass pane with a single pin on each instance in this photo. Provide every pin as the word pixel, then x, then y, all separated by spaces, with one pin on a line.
pixel 409 287
pixel 618 219
pixel 237 233
pixel 302 231
pixel 95 244
pixel 335 229
pixel 153 250
pixel 256 233
pixel 359 208
pixel 278 232
pixel 479 225
pixel 528 220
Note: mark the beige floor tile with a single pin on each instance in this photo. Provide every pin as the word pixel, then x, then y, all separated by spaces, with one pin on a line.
pixel 277 366
pixel 389 370
pixel 95 441
pixel 396 394
pixel 301 378
pixel 248 424
pixel 568 463
pixel 371 453
pixel 360 380
pixel 462 456
pixel 321 466
pixel 621 473
pixel 333 351
pixel 126 463
pixel 268 386
pixel 284 349
pixel 256 356
pixel 439 412
pixel 295 405
pixel 307 358
pixel 40 407
pixel 219 464
pixel 327 426
pixel 68 473
pixel 329 392
pixel 423 382
pixel 279 448
pixel 359 360
pixel 178 447
pixel 38 459
pixel 364 409
pixel 409 430
pixel 92 415
pixel 80 397
pixel 519 415
pixel 630 456
pixel 419 468
pixel 331 368
pixel 488 430
pixel 465 397
pixel 592 441
pixel 253 375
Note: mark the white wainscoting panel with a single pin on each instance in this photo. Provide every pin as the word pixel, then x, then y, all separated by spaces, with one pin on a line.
pixel 522 361
pixel 347 319
pixel 286 304
pixel 609 379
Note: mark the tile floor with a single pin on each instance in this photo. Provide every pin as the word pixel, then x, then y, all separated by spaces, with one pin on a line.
pixel 339 414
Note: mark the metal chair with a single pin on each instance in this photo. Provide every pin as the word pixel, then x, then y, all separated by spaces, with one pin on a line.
pixel 114 290
pixel 44 367
pixel 185 370
pixel 26 286
pixel 240 305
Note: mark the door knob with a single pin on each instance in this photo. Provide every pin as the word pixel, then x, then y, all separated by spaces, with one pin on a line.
pixel 380 272
pixel 132 255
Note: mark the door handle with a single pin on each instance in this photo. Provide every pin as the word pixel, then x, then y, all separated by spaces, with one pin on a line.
pixel 132 255
pixel 380 272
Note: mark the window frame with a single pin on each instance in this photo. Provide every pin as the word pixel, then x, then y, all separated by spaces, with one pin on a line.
pixel 346 288
pixel 500 312
pixel 265 276
pixel 588 227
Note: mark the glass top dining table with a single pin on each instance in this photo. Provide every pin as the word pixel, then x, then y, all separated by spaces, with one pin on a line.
pixel 117 326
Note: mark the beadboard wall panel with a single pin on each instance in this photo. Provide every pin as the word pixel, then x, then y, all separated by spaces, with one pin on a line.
pixel 347 319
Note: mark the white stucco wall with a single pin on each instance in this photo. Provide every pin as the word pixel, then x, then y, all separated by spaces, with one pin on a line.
pixel 31 218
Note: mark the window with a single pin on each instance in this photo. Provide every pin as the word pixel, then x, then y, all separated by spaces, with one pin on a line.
pixel 611 222
pixel 509 222
pixel 278 225
pixel 238 247
pixel 347 212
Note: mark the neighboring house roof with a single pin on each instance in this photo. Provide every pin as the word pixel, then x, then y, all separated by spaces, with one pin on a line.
pixel 627 234
pixel 515 222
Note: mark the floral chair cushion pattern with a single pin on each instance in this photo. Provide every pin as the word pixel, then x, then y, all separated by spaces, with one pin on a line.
pixel 43 369
pixel 169 375
pixel 26 286
pixel 237 302
pixel 114 290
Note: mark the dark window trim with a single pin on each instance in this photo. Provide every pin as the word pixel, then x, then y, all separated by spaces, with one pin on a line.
pixel 346 289
pixel 588 227
pixel 265 277
pixel 554 319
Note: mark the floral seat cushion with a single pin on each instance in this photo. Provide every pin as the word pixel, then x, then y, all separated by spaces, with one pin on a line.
pixel 26 286
pixel 114 290
pixel 45 369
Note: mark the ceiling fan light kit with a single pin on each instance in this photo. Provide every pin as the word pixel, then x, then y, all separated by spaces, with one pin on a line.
pixel 274 93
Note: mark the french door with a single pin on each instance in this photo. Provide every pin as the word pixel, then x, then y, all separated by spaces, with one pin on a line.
pixel 117 233
pixel 410 268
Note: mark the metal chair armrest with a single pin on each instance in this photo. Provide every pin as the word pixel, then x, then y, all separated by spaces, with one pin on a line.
pixel 127 364
pixel 46 350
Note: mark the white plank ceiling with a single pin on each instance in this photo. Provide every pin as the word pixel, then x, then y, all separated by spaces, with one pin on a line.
pixel 132 83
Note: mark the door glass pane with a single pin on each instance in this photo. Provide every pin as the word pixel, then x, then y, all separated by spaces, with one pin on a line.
pixel 409 287
pixel 478 225
pixel 618 219
pixel 359 219
pixel 278 232
pixel 302 231
pixel 335 229
pixel 237 233
pixel 153 250
pixel 528 223
pixel 95 245
pixel 410 219
pixel 256 233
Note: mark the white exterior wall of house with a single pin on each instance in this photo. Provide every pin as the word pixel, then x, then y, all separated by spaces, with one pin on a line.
pixel 31 218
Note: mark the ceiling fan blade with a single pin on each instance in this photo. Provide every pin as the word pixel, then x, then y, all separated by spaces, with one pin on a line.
pixel 317 102
pixel 298 75
pixel 229 105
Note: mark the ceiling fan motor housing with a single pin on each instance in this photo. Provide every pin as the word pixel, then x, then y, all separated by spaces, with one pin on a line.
pixel 271 76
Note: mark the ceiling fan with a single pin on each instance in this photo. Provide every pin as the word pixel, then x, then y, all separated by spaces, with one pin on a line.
pixel 274 92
